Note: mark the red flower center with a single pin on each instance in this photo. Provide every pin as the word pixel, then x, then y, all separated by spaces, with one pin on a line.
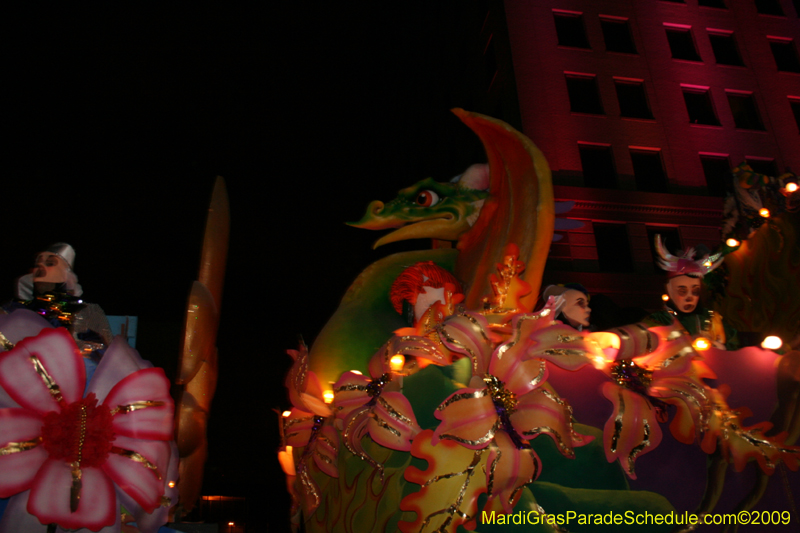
pixel 81 433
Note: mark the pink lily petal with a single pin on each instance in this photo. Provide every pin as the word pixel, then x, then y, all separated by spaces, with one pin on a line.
pixel 326 451
pixel 563 346
pixel 119 361
pixel 690 397
pixel 392 423
pixel 468 417
pixel 508 469
pixel 297 428
pixel 142 481
pixel 20 324
pixel 151 522
pixel 542 412
pixel 633 428
pixel 50 497
pixel 350 394
pixel 16 517
pixel 19 468
pixel 151 422
pixel 518 376
pixel 59 358
pixel 305 390
pixel 465 334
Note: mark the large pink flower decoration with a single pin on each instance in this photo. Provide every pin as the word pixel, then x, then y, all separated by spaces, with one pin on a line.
pixel 504 407
pixel 70 459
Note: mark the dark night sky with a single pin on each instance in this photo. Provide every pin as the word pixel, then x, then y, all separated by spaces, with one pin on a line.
pixel 118 121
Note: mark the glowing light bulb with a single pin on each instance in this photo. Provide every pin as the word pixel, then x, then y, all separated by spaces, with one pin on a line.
pixel 327 396
pixel 772 343
pixel 171 484
pixel 791 186
pixel 286 414
pixel 356 372
pixel 764 212
pixel 733 243
pixel 701 344
pixel 396 363
pixel 665 297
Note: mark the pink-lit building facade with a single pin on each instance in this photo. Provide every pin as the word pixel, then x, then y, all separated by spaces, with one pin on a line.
pixel 641 108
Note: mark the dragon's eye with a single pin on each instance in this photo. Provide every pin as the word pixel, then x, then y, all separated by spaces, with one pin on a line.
pixel 427 198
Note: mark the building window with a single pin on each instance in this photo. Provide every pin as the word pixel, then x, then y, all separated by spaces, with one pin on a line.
pixel 681 42
pixel 725 50
pixel 598 167
pixel 583 94
pixel 762 165
pixel 769 7
pixel 699 106
pixel 785 54
pixel 617 35
pixel 648 169
pixel 632 98
pixel 744 110
pixel 794 103
pixel 613 248
pixel 720 4
pixel 717 170
pixel 570 29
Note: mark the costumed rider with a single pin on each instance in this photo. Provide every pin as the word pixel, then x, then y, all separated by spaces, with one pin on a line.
pixel 52 291
pixel 572 304
pixel 684 307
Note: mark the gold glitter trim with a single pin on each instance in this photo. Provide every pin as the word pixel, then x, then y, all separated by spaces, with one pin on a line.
pixel 137 457
pixel 393 412
pixel 453 509
pixel 638 449
pixel 350 387
pixel 618 422
pixel 135 406
pixel 7 344
pixel 50 383
pixel 385 425
pixel 564 352
pixel 463 396
pixel 569 338
pixel 483 440
pixel 17 447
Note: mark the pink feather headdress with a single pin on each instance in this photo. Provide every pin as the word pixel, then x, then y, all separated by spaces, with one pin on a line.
pixel 686 265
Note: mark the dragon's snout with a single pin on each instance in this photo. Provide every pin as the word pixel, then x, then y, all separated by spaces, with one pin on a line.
pixel 373 218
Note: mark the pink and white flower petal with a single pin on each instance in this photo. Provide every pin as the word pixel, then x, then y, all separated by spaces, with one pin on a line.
pixel 392 422
pixel 542 412
pixel 20 324
pixel 633 428
pixel 468 417
pixel 142 405
pixel 690 397
pixel 16 517
pixel 50 497
pixel 151 522
pixel 138 467
pixel 21 452
pixel 507 470
pixel 40 371
pixel 326 451
pixel 119 361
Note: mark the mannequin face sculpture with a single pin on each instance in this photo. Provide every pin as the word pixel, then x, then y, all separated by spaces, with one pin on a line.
pixel 576 308
pixel 684 291
pixel 50 268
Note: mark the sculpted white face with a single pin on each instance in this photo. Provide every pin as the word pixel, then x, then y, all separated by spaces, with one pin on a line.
pixel 684 292
pixel 576 308
pixel 50 268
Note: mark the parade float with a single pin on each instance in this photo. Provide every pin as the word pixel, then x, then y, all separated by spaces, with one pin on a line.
pixel 91 438
pixel 438 399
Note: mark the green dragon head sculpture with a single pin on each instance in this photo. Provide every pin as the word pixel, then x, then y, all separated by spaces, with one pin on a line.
pixel 430 209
